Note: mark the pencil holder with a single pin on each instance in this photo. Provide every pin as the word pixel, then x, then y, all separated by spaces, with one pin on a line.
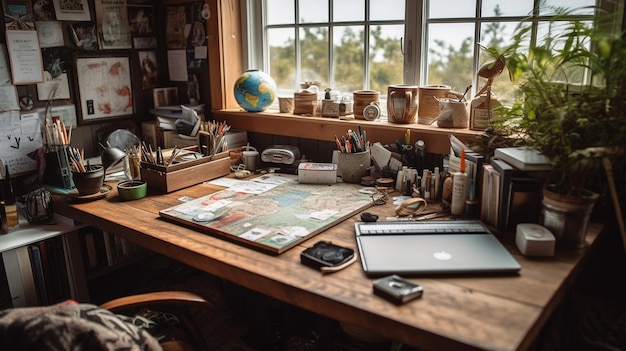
pixel 353 166
pixel 89 182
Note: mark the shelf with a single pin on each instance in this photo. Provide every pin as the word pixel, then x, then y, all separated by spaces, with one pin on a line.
pixel 27 233
pixel 437 139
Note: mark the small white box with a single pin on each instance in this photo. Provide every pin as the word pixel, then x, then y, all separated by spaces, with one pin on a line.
pixel 534 240
pixel 317 173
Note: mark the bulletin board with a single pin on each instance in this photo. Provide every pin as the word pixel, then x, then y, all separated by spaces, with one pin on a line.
pixel 20 135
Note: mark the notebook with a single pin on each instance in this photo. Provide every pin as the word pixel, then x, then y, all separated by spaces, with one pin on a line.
pixel 431 247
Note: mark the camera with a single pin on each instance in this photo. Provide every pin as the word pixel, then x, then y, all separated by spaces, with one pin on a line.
pixel 397 289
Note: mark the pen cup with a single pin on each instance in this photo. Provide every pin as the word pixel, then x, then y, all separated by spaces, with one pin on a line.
pixel 353 166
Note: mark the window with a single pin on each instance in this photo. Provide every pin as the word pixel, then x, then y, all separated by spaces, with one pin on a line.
pixel 369 44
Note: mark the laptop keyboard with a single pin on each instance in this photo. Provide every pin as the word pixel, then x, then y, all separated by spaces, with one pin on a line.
pixel 421 227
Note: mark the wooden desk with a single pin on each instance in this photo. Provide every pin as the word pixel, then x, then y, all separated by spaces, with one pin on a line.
pixel 455 313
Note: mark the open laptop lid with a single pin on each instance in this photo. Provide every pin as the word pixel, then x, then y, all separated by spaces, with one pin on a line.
pixel 434 253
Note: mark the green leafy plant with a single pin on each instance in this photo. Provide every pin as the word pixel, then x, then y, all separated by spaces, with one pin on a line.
pixel 572 103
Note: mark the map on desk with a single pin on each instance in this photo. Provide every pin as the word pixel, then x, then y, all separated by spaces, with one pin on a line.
pixel 275 220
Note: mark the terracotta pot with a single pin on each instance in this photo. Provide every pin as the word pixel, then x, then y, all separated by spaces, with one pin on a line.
pixel 567 217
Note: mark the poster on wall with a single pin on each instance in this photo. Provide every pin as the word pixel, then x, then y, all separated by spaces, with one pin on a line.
pixel 112 24
pixel 25 56
pixel 75 10
pixel 149 69
pixel 8 93
pixel 176 22
pixel 50 33
pixel 18 15
pixel 43 10
pixel 141 20
pixel 104 87
pixel 84 35
pixel 56 62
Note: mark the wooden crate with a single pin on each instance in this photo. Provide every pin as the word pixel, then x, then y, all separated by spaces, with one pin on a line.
pixel 185 174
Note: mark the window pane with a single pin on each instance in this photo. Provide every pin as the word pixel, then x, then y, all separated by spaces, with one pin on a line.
pixel 280 11
pixel 451 9
pixel 497 8
pixel 570 4
pixel 386 10
pixel 313 11
pixel 282 54
pixel 386 59
pixel 497 35
pixel 348 46
pixel 348 10
pixel 314 54
pixel 450 52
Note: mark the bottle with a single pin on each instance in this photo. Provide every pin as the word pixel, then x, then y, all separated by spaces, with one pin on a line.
pixel 459 189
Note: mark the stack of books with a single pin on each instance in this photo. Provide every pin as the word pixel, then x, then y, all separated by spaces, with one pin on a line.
pixel 512 186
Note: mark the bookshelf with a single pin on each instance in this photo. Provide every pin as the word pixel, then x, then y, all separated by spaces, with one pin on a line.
pixel 59 253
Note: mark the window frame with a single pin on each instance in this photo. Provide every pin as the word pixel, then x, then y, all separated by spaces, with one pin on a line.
pixel 414 42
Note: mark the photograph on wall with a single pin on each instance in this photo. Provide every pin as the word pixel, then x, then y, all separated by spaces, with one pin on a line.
pixel 165 96
pixel 149 69
pixel 141 20
pixel 176 22
pixel 104 85
pixel 83 35
pixel 18 15
pixel 56 64
pixel 50 33
pixel 113 28
pixel 43 10
pixel 72 10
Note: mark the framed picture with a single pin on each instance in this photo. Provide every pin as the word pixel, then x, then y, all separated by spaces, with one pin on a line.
pixel 113 28
pixel 149 69
pixel 104 88
pixel 165 96
pixel 18 15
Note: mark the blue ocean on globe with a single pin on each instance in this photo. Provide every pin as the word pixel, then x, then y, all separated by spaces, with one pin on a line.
pixel 255 90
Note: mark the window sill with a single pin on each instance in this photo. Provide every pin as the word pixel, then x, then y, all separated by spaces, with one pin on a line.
pixel 437 139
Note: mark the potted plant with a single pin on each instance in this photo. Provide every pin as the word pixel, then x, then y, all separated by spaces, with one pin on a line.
pixel 571 108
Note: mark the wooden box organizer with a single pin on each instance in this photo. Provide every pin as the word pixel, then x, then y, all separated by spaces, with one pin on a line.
pixel 185 174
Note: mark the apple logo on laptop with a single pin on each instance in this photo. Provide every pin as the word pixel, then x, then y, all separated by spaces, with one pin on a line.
pixel 442 255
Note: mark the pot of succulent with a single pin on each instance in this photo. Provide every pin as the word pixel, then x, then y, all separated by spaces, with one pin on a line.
pixel 571 107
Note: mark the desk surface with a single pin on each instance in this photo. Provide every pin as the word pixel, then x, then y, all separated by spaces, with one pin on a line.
pixel 484 312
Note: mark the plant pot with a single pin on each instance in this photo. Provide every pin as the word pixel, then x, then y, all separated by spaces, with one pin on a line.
pixel 567 217
pixel 89 182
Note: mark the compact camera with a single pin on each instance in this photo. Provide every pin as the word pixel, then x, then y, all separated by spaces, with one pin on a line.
pixel 397 289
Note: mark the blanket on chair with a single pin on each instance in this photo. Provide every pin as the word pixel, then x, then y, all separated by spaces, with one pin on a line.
pixel 71 326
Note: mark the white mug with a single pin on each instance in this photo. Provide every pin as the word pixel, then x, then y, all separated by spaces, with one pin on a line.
pixel 250 157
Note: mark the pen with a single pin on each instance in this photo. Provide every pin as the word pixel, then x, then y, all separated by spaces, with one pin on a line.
pixel 407 137
pixel 339 146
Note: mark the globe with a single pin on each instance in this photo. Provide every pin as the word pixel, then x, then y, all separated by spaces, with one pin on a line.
pixel 255 90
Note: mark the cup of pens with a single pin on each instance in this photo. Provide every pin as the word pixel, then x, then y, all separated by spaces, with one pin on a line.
pixel 353 166
pixel 88 180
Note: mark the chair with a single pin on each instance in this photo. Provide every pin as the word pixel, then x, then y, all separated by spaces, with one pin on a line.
pixel 111 326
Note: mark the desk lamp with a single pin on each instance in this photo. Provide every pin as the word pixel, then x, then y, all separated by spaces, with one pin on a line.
pixel 111 157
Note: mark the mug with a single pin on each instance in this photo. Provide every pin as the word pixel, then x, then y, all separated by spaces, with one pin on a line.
pixel 362 99
pixel 250 157
pixel 428 103
pixel 402 103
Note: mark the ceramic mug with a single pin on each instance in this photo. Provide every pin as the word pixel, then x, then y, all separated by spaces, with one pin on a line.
pixel 250 157
pixel 428 104
pixel 402 103
pixel 362 99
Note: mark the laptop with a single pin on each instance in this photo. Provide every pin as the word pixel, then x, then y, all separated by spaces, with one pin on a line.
pixel 431 247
